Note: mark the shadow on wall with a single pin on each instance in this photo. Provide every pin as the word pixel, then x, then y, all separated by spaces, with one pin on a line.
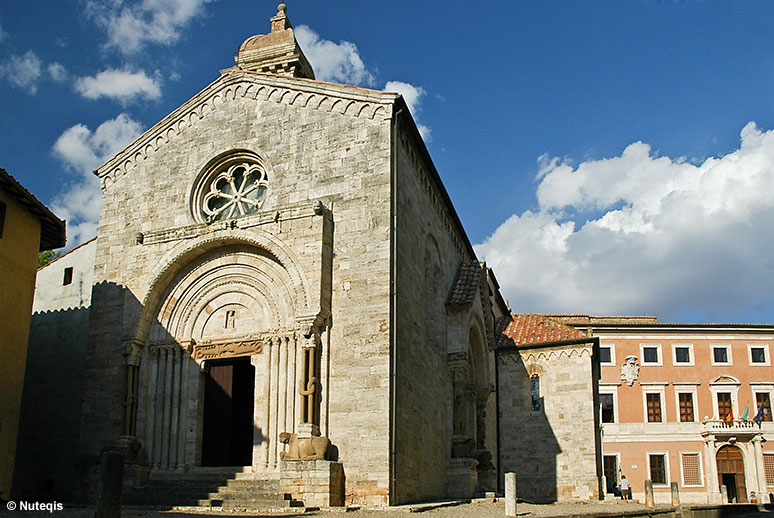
pixel 47 446
pixel 528 445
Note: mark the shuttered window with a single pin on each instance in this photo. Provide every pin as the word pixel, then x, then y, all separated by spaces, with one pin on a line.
pixel 654 407
pixel 658 469
pixel 686 407
pixel 768 468
pixel 724 404
pixel 691 470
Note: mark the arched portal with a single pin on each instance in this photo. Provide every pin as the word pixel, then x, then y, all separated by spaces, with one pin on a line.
pixel 730 463
pixel 218 371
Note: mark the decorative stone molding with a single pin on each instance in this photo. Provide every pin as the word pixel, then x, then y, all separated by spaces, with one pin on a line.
pixel 227 349
pixel 340 99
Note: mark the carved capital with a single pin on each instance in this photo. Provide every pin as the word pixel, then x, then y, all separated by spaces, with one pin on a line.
pixel 482 395
pixel 133 353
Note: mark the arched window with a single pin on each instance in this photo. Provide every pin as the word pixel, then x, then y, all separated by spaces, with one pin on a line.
pixel 535 389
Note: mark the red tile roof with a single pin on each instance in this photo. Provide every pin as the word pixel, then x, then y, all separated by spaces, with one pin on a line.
pixel 527 329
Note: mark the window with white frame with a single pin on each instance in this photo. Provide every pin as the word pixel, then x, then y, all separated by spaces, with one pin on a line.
pixel 658 468
pixel 721 354
pixel 607 354
pixel 653 402
pixel 682 354
pixel 690 469
pixel 686 400
pixel 650 354
pixel 758 355
pixel 725 391
pixel 608 402
pixel 763 404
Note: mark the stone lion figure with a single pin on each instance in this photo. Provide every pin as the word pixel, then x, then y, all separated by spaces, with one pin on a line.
pixel 304 448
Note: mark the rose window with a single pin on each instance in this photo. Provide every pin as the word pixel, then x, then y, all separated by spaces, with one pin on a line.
pixel 230 187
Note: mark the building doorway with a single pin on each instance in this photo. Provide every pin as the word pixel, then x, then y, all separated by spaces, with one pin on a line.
pixel 610 469
pixel 227 429
pixel 731 473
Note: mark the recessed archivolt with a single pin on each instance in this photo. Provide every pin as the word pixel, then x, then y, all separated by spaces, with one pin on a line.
pixel 224 90
pixel 186 256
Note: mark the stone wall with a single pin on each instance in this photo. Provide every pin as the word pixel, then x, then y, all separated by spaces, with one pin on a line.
pixel 322 142
pixel 429 249
pixel 553 448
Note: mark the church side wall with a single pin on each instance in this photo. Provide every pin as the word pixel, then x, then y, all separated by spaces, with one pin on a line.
pixel 550 448
pixel 423 385
pixel 340 159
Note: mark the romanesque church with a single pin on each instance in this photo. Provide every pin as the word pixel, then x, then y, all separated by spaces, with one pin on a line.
pixel 283 294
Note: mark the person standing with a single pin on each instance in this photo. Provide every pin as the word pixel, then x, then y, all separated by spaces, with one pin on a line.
pixel 625 488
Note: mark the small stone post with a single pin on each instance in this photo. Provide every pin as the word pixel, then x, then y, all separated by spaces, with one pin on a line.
pixel 510 494
pixel 649 501
pixel 675 495
pixel 771 498
pixel 723 494
pixel 111 484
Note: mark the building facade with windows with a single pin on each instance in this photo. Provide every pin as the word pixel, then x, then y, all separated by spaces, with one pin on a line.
pixel 685 403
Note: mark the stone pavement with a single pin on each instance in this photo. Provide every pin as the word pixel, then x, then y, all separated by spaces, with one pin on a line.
pixel 475 509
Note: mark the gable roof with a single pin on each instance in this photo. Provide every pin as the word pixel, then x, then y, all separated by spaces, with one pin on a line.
pixel 466 284
pixel 52 229
pixel 532 328
pixel 345 100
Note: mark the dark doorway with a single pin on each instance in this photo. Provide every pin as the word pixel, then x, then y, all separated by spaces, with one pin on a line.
pixel 227 431
pixel 611 473
pixel 731 473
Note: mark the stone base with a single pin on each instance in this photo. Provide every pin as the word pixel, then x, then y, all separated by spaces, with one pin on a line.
pixel 487 481
pixel 461 478
pixel 317 483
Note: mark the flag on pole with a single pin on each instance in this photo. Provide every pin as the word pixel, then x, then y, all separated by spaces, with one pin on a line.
pixel 730 416
pixel 746 416
pixel 759 416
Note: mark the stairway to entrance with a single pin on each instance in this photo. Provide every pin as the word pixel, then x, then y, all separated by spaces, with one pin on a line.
pixel 225 489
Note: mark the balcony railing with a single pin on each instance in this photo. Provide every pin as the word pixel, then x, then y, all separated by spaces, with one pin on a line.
pixel 736 426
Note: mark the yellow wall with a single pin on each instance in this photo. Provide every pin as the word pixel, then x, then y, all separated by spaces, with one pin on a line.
pixel 18 263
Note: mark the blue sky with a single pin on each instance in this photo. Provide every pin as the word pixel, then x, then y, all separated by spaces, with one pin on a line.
pixel 605 157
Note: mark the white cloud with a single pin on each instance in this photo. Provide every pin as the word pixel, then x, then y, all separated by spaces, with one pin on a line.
pixel 121 85
pixel 130 27
pixel 57 72
pixel 338 62
pixel 665 237
pixel 22 71
pixel 82 151
pixel 413 96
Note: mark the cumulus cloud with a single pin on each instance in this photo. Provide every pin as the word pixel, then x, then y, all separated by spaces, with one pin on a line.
pixel 338 62
pixel 130 26
pixel 82 151
pixel 22 71
pixel 57 72
pixel 413 96
pixel 123 86
pixel 645 234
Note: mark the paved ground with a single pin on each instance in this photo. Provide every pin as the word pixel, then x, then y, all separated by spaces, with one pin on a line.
pixel 476 509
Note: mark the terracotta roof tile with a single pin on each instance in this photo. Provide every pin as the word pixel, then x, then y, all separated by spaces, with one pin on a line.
pixel 466 284
pixel 527 328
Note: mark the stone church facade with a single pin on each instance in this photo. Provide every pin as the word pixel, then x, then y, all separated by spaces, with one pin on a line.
pixel 281 283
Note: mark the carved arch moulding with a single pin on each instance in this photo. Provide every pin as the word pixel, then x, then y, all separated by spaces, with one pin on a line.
pixel 238 85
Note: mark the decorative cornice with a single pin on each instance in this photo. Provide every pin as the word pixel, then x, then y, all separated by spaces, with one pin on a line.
pixel 330 97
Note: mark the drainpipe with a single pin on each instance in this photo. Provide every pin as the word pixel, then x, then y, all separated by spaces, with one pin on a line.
pixel 393 298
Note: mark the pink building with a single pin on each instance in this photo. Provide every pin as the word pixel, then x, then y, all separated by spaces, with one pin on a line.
pixel 687 404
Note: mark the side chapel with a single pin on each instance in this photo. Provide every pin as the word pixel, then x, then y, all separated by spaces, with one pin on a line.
pixel 283 289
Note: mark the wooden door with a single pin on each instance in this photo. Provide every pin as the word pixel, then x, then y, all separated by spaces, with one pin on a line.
pixel 731 468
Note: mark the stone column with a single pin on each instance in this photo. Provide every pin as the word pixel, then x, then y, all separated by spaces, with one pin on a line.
pixel 158 427
pixel 282 384
pixel 260 410
pixel 711 469
pixel 166 432
pixel 150 402
pixel 273 433
pixel 675 494
pixel 290 389
pixel 174 432
pixel 510 494
pixel 759 469
pixel 649 500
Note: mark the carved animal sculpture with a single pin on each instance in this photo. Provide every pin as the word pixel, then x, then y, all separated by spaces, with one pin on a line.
pixel 306 448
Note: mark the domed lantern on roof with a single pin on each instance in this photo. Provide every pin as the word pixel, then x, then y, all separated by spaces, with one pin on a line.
pixel 275 53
